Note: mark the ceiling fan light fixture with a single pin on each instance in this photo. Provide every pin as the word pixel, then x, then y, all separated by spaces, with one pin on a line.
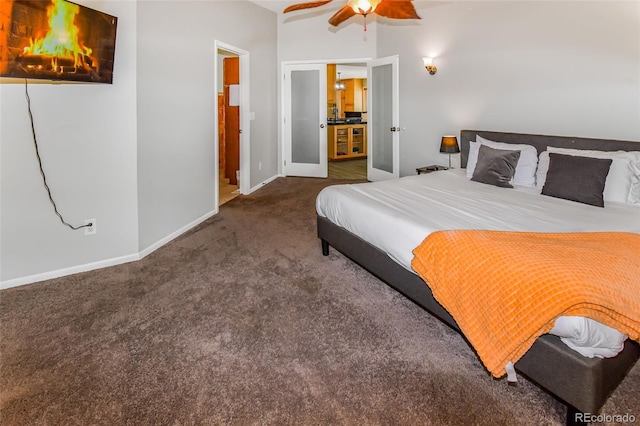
pixel 363 7
pixel 391 9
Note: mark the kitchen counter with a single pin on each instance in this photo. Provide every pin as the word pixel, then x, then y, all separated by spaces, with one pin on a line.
pixel 344 123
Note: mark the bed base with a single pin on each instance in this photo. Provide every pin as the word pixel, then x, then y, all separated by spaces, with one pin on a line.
pixel 583 384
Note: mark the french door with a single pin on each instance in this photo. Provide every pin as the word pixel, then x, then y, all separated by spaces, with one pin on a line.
pixel 383 119
pixel 305 120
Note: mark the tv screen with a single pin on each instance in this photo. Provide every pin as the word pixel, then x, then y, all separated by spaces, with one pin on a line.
pixel 56 40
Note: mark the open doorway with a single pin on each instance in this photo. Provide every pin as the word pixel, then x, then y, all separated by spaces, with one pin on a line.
pixel 378 141
pixel 232 118
pixel 228 126
pixel 343 118
pixel 347 120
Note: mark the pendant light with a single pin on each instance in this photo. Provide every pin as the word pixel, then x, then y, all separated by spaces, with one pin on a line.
pixel 339 84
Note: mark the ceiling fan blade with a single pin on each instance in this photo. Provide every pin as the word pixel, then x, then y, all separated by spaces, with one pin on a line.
pixel 342 15
pixel 309 5
pixel 397 9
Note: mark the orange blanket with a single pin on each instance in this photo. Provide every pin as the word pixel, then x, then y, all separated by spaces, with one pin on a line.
pixel 504 289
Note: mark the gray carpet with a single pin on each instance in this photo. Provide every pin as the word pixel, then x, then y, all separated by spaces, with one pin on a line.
pixel 243 321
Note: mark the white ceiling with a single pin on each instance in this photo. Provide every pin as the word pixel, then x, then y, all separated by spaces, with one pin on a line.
pixel 279 5
pixel 275 5
pixel 351 71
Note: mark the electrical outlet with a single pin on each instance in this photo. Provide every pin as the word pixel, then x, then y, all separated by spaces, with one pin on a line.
pixel 90 230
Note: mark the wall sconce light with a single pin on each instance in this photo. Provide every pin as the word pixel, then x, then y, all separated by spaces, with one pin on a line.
pixel 428 64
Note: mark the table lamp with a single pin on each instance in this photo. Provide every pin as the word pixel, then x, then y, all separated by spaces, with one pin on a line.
pixel 449 145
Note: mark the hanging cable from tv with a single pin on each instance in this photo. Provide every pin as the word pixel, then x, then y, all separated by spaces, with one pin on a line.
pixel 44 177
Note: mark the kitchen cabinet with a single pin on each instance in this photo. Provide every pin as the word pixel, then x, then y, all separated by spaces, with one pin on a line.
pixel 351 98
pixel 347 141
pixel 331 85
pixel 364 96
pixel 354 95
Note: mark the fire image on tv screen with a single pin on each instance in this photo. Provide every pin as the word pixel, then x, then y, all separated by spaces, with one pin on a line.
pixel 56 40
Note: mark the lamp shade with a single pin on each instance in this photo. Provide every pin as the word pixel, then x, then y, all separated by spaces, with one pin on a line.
pixel 449 144
pixel 363 7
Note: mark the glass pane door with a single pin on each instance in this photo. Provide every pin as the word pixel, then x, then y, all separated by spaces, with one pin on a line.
pixel 305 120
pixel 342 141
pixel 357 141
pixel 383 122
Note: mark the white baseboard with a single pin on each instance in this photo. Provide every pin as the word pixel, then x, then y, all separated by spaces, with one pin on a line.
pixel 260 185
pixel 103 263
pixel 68 271
pixel 118 260
pixel 155 246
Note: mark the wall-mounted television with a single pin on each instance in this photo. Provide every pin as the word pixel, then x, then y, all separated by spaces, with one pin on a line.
pixel 56 40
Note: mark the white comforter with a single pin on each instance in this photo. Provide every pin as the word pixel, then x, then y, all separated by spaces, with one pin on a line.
pixel 397 215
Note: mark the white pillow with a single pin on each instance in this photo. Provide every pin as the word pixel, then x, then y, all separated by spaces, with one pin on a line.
pixel 472 160
pixel 474 149
pixel 621 177
pixel 527 163
pixel 634 188
pixel 588 337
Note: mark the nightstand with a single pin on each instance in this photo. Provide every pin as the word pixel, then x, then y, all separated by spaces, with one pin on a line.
pixel 429 169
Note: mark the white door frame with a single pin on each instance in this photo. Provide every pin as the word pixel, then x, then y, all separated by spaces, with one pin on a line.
pixel 283 99
pixel 245 116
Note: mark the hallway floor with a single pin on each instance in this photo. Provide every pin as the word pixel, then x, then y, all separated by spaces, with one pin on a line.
pixel 345 169
pixel 348 169
pixel 227 191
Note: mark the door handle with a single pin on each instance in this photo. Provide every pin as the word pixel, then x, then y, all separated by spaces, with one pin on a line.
pixel 322 126
pixel 395 129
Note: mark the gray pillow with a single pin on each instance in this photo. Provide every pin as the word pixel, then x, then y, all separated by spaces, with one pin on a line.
pixel 576 178
pixel 495 166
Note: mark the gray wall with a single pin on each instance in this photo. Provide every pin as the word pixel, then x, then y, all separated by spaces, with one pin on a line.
pixel 87 139
pixel 306 35
pixel 137 155
pixel 177 103
pixel 564 68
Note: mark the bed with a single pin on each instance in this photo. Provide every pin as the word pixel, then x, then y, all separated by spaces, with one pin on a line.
pixel 549 362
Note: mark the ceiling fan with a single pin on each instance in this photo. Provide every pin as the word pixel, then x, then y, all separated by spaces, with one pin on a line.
pixel 395 9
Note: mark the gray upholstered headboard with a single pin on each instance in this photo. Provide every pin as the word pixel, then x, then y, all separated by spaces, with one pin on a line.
pixel 541 142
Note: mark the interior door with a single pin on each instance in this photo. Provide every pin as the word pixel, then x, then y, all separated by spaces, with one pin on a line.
pixel 305 120
pixel 383 119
